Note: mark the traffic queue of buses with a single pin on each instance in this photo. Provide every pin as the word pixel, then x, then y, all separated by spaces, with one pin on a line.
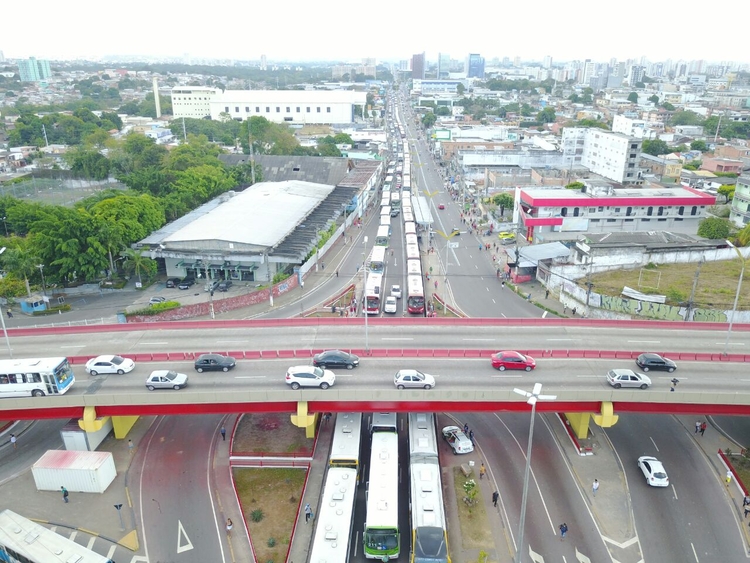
pixel 332 541
pixel 396 200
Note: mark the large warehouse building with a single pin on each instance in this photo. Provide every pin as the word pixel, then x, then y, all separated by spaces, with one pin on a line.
pixel 279 106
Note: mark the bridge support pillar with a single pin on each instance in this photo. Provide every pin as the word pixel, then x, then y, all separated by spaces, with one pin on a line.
pixel 122 425
pixel 607 417
pixel 90 422
pixel 305 420
pixel 579 423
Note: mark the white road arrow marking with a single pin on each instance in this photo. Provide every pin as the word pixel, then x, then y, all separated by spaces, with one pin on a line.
pixel 535 557
pixel 581 557
pixel 181 533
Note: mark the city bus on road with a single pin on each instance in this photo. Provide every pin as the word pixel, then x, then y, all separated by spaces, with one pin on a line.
pixel 412 252
pixel 377 260
pixel 410 228
pixel 411 239
pixel 24 541
pixel 373 294
pixel 35 377
pixel 415 295
pixel 395 203
pixel 381 538
pixel 383 237
pixel 413 268
pixel 408 215
pixel 385 200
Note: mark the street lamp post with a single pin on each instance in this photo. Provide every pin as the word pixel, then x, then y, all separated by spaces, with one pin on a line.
pixel 2 320
pixel 532 399
pixel 736 296
pixel 44 287
pixel 364 294
pixel 6 226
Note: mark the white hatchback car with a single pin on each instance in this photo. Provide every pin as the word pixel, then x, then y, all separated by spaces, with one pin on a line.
pixel 413 378
pixel 654 471
pixel 458 441
pixel 391 305
pixel 309 376
pixel 166 379
pixel 396 291
pixel 627 378
pixel 109 364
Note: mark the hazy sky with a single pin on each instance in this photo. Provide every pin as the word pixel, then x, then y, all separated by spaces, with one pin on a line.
pixel 300 30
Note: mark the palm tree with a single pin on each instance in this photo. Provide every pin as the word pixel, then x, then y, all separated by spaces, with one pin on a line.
pixel 21 263
pixel 136 261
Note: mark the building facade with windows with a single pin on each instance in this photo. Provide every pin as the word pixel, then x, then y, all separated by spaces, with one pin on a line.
pixel 740 213
pixel 547 215
pixel 612 155
pixel 418 65
pixel 288 106
pixel 193 101
pixel 33 70
pixel 474 66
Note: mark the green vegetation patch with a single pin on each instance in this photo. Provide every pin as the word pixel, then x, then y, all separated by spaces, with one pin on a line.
pixel 274 494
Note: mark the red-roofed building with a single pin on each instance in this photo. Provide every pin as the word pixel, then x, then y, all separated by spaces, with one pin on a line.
pixel 560 214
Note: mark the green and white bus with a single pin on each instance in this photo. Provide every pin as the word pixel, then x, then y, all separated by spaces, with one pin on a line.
pixel 381 537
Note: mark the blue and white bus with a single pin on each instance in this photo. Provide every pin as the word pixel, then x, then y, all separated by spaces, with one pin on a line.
pixel 377 260
pixel 35 377
pixel 383 237
pixel 24 541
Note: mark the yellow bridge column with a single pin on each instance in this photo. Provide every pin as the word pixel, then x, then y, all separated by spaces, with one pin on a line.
pixel 122 425
pixel 91 423
pixel 305 420
pixel 579 421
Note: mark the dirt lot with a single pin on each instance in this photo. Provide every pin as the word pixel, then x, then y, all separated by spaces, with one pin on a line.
pixel 269 434
pixel 716 287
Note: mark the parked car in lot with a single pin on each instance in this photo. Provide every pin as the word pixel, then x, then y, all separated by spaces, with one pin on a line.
pixel 166 379
pixel 212 285
pixel 457 440
pixel 309 376
pixel 173 282
pixel 413 378
pixel 627 378
pixel 335 359
pixel 655 361
pixel 214 362
pixel 155 300
pixel 224 285
pixel 512 360
pixel 109 364
pixel 654 471
pixel 391 304
pixel 186 283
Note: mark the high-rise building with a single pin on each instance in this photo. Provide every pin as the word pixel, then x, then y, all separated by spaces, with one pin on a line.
pixel 517 62
pixel 589 69
pixel 637 72
pixel 444 63
pixel 32 70
pixel 418 66
pixel 547 62
pixel 263 62
pixel 2 57
pixel 474 66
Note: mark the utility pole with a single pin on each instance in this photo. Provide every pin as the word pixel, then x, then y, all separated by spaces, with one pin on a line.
pixel 252 154
pixel 691 303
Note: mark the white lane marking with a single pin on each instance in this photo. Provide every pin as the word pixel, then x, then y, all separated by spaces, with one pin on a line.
pixel 73 535
pixel 78 346
pixel 644 341
pixel 154 343
pixel 90 545
pixel 674 492
pixel 654 443
pixel 249 376
pixel 231 341
pixel 562 339
pixel 535 557
pixel 731 343
pixel 622 545
pixel 544 315
pixel 397 339
pixel 181 533
pixel 111 552
pixel 314 338
pixel 478 339
pixel 581 557
pixel 692 546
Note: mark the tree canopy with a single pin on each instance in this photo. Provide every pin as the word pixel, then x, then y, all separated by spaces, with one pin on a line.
pixel 714 228
pixel 655 147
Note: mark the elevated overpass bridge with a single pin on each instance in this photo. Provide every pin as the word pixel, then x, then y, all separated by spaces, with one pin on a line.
pixel 573 357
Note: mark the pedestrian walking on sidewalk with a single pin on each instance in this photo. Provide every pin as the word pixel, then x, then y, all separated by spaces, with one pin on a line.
pixel 495 496
pixel 131 446
pixel 223 433
pixel 308 513
pixel 337 272
pixel 64 492
pixel 595 486
pixel 697 426
pixel 10 314
pixel 229 526
pixel 466 429
pixel 703 427
pixel 13 440
pixel 471 436
pixel 729 476
pixel 674 383
pixel 546 294
pixel 563 530
pixel 482 471
pixel 573 311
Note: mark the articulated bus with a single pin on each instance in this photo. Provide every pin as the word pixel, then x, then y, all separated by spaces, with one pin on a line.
pixel 410 228
pixel 347 436
pixel 381 538
pixel 412 252
pixel 413 268
pixel 411 239
pixel 415 295
pixel 384 422
pixel 377 260
pixel 35 377
pixel 383 237
pixel 373 294
pixel 24 541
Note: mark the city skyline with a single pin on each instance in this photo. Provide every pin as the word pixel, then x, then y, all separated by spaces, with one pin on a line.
pixel 304 34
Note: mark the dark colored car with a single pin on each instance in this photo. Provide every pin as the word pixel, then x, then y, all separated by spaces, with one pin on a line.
pixel 654 361
pixel 173 282
pixel 224 285
pixel 214 362
pixel 335 359
pixel 187 282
